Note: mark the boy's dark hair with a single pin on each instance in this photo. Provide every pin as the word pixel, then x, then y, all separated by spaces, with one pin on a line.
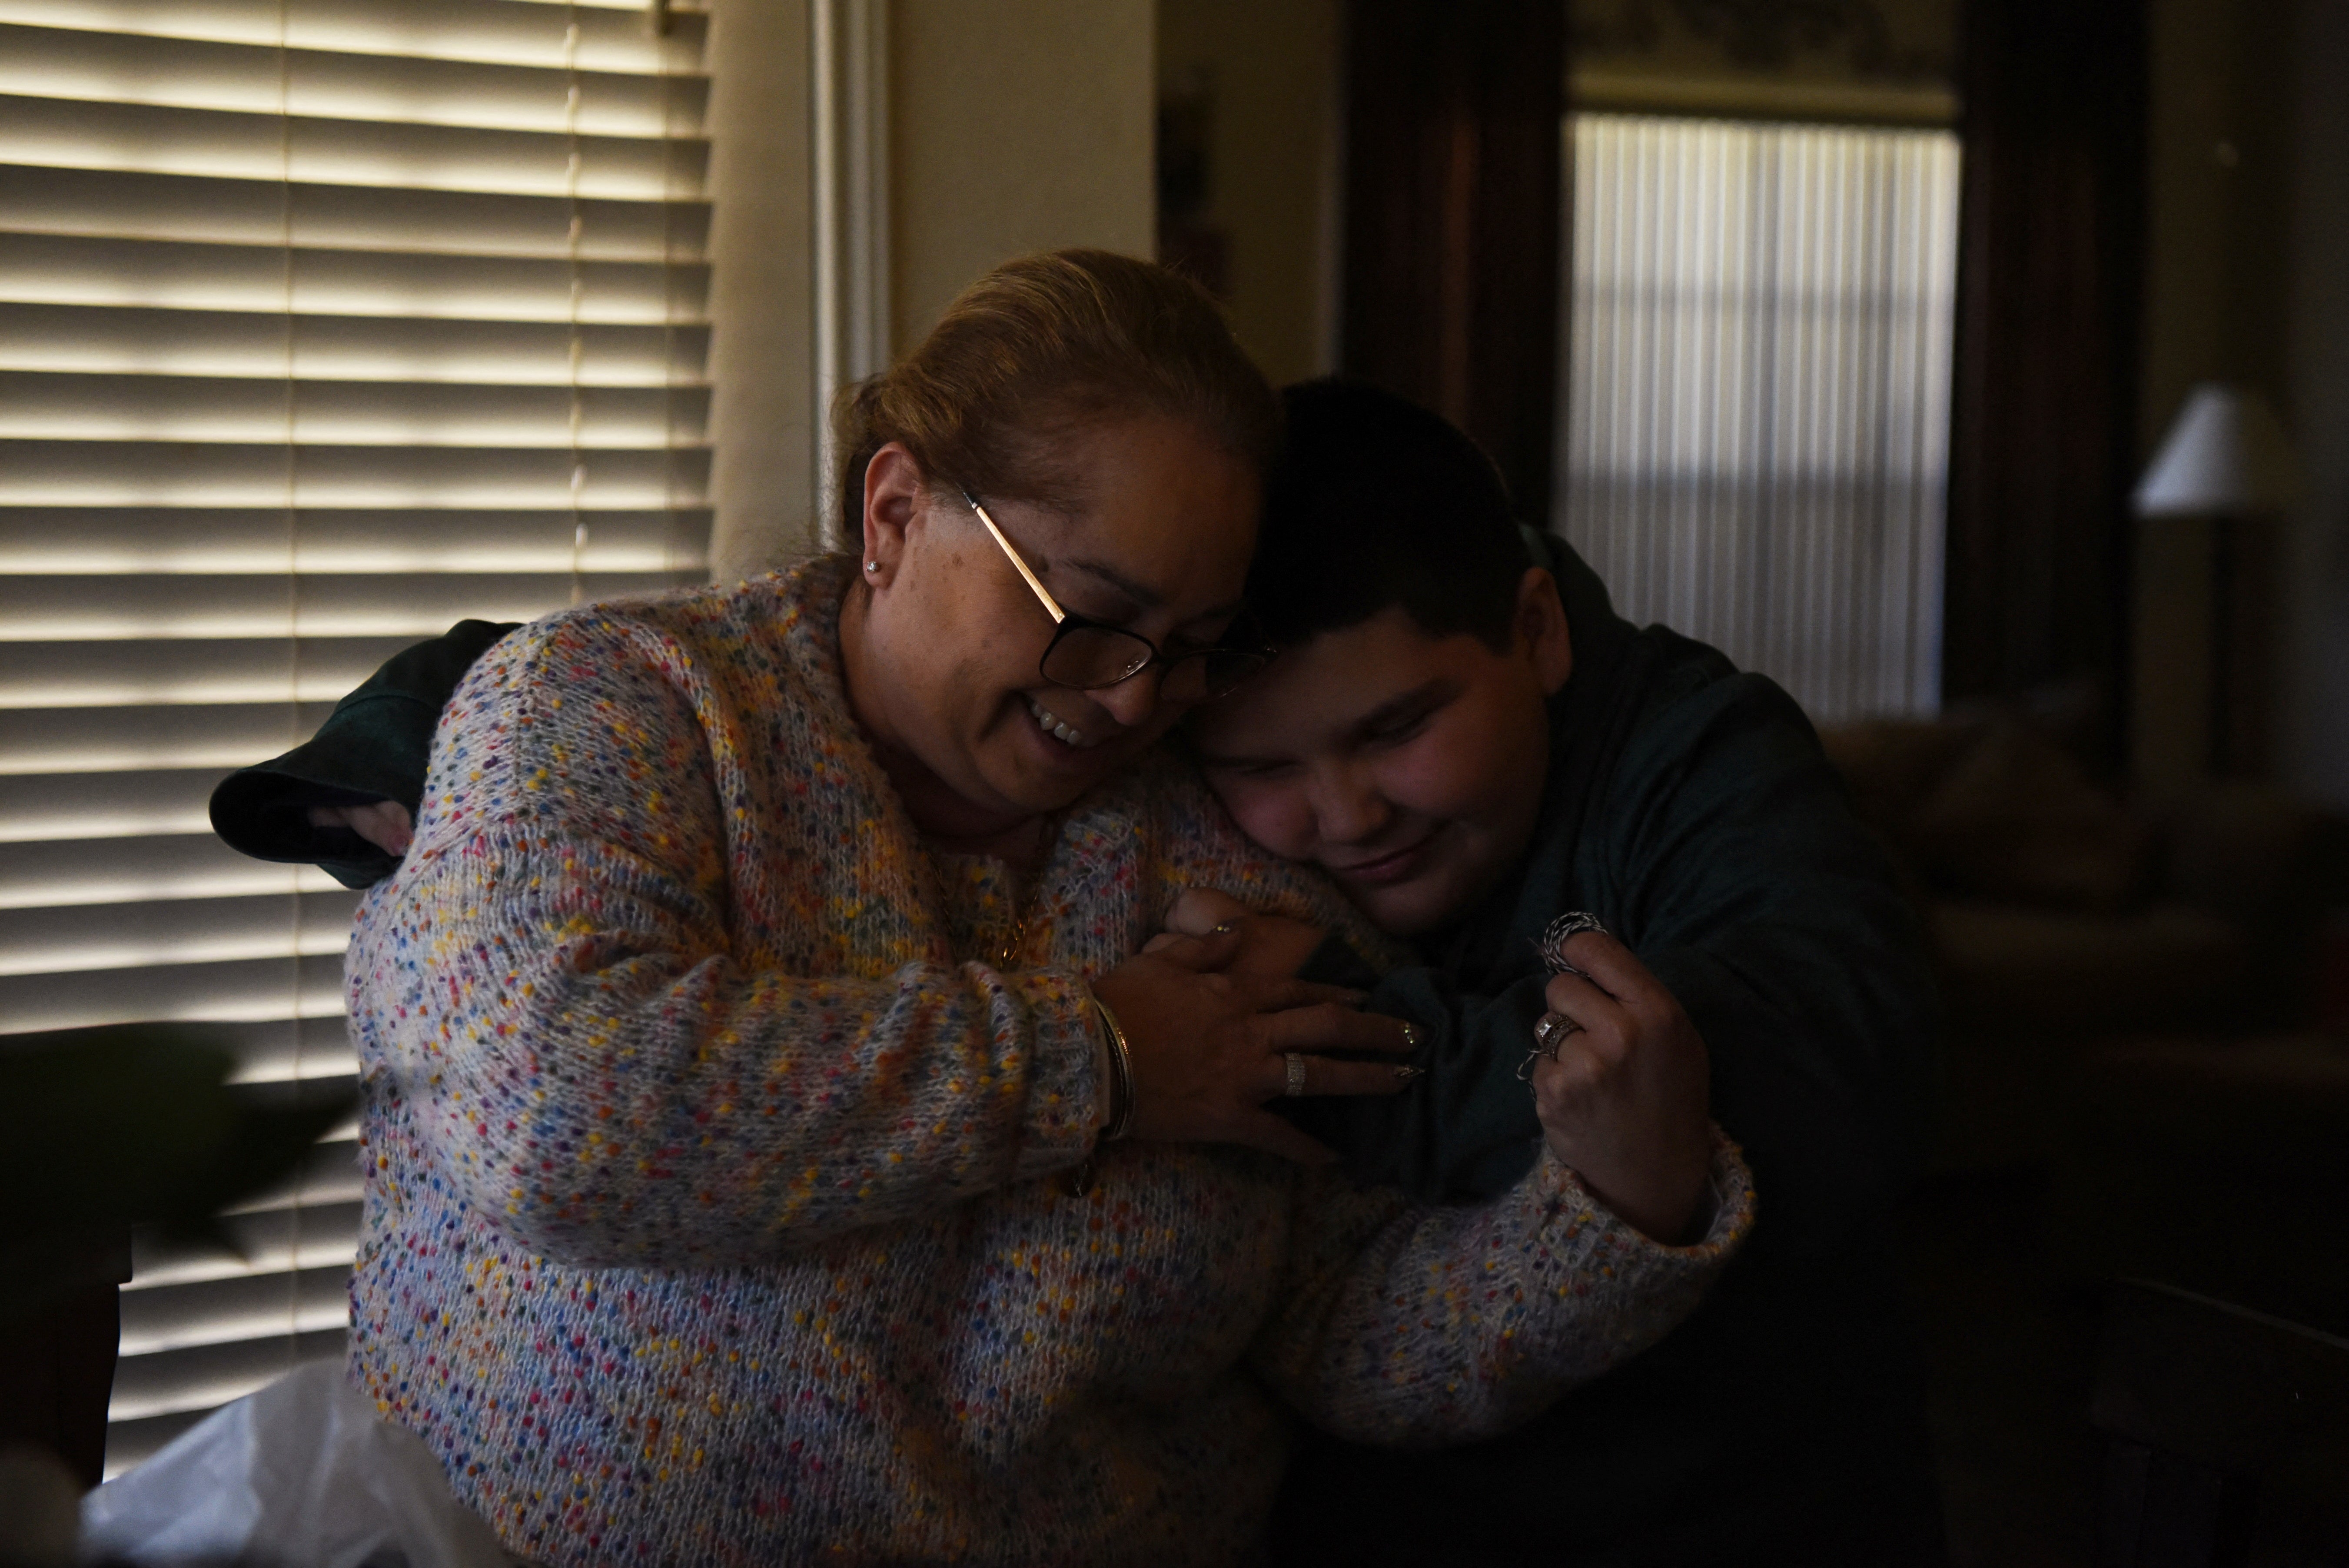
pixel 1375 501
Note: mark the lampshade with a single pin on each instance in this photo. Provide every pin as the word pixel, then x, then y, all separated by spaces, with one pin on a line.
pixel 2225 453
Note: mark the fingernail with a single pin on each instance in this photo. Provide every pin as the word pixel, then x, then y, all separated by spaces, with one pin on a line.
pixel 1408 1072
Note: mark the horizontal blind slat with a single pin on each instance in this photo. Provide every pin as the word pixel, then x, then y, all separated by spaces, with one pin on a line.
pixel 201 1377
pixel 112 203
pixel 610 38
pixel 388 89
pixel 257 343
pixel 56 406
pixel 221 473
pixel 329 1171
pixel 36 808
pixel 119 869
pixel 252 1306
pixel 130 1439
pixel 234 541
pixel 181 931
pixel 75 133
pixel 56 607
pixel 310 1236
pixel 108 675
pixel 113 269
pixel 231 991
pixel 55 739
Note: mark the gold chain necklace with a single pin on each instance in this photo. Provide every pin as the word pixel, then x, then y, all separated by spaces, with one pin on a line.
pixel 1027 889
pixel 1030 894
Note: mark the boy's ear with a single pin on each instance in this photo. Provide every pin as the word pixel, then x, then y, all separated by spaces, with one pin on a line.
pixel 1542 629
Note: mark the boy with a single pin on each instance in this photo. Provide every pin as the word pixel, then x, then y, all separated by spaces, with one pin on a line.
pixel 1461 733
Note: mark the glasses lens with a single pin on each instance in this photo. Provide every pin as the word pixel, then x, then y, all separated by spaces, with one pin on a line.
pixel 1089 657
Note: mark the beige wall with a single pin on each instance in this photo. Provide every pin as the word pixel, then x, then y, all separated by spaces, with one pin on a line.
pixel 1009 131
pixel 2248 220
pixel 2218 142
pixel 762 409
pixel 1013 129
pixel 1270 70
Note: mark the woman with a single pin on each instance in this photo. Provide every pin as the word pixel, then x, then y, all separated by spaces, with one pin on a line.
pixel 755 1162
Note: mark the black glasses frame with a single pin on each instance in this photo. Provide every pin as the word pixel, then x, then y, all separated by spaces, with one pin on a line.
pixel 1250 658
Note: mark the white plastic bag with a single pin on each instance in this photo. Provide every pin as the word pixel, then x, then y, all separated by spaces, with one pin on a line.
pixel 301 1472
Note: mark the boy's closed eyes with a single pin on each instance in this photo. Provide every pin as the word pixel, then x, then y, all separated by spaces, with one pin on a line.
pixel 1408 767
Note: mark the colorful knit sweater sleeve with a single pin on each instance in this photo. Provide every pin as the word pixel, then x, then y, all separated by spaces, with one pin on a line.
pixel 601 1064
pixel 1407 1325
pixel 1411 1326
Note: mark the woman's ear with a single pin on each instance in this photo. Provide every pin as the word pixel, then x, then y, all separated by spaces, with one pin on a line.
pixel 893 504
pixel 1542 629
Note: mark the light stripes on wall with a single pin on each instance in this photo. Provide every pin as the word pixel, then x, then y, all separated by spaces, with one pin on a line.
pixel 323 324
pixel 1757 393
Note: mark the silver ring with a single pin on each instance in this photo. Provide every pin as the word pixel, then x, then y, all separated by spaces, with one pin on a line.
pixel 1295 1074
pixel 1552 943
pixel 1552 1032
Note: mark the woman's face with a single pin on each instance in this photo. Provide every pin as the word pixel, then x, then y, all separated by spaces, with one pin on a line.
pixel 942 660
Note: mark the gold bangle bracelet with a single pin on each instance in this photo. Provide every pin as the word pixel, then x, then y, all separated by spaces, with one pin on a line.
pixel 1121 1077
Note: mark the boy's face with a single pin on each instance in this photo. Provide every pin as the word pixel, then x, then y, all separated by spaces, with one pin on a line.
pixel 1408 767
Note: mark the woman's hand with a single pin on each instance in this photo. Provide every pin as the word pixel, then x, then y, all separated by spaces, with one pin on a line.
pixel 1272 945
pixel 1210 1047
pixel 1625 1098
pixel 383 823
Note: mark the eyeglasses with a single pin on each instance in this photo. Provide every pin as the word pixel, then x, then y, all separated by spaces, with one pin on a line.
pixel 1089 655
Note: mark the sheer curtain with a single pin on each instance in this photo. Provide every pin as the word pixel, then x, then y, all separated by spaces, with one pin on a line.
pixel 1758 390
pixel 323 324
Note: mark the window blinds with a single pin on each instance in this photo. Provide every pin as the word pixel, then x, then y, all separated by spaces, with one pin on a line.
pixel 1757 370
pixel 323 324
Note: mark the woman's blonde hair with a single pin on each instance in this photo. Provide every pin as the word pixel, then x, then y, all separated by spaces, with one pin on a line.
pixel 1041 345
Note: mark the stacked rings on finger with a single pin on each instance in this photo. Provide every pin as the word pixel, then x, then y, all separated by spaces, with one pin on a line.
pixel 1551 943
pixel 1295 1085
pixel 1550 1033
pixel 1552 1028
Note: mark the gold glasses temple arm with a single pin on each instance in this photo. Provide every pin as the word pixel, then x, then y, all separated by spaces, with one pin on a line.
pixel 1058 614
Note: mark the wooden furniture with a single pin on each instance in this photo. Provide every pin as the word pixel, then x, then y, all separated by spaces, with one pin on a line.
pixel 2227 1436
pixel 56 1373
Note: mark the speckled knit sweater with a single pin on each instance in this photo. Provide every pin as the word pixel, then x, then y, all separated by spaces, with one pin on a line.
pixel 717 1207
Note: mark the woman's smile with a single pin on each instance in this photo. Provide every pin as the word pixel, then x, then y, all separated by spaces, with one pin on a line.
pixel 1071 737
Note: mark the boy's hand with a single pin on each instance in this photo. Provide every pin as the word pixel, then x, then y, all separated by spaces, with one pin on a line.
pixel 383 823
pixel 1625 1098
pixel 1272 945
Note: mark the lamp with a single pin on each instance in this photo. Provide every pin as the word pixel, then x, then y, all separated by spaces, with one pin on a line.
pixel 2225 462
pixel 2224 456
